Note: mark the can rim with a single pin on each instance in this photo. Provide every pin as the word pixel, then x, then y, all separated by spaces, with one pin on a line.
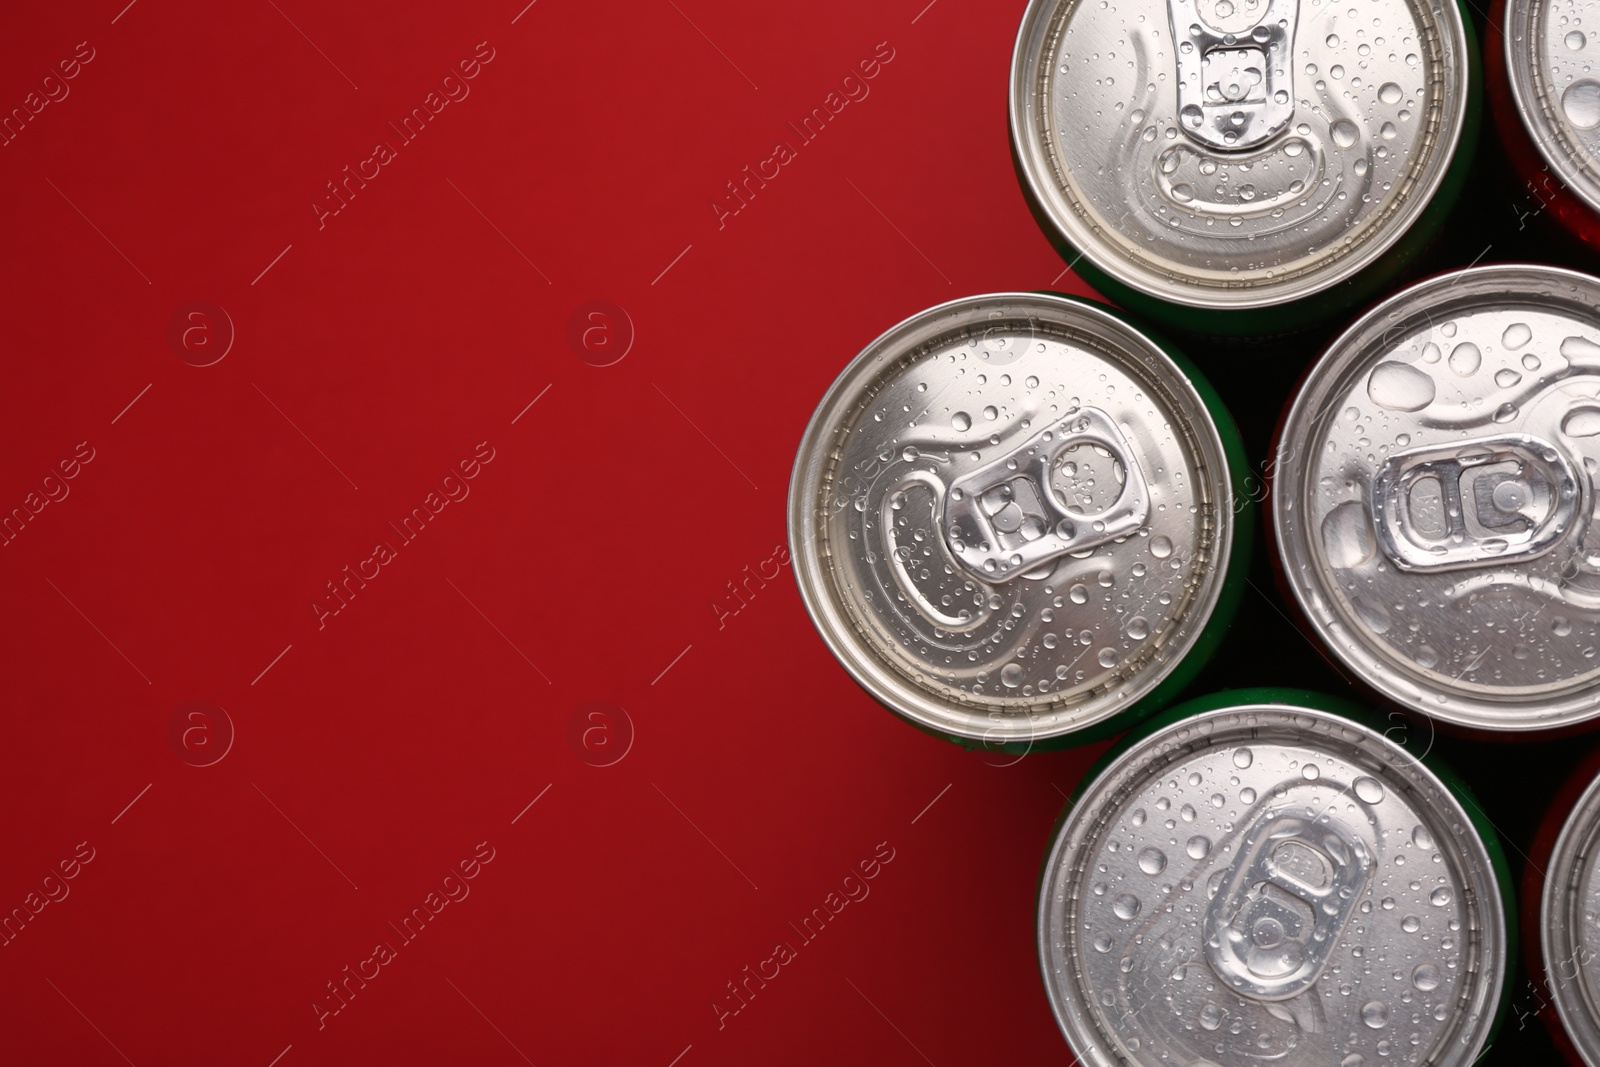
pixel 1113 772
pixel 1576 1005
pixel 1576 179
pixel 1393 677
pixel 1036 175
pixel 916 703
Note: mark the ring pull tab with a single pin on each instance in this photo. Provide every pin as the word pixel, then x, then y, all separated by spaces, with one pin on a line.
pixel 1494 499
pixel 1281 907
pixel 1235 90
pixel 1005 518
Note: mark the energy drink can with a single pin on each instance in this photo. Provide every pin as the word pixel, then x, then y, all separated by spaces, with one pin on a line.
pixel 1545 98
pixel 1242 166
pixel 1015 522
pixel 1433 498
pixel 1568 946
pixel 1259 878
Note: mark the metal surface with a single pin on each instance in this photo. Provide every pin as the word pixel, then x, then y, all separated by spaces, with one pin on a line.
pixel 1551 51
pixel 1569 936
pixel 1433 497
pixel 1277 149
pixel 1011 517
pixel 1271 884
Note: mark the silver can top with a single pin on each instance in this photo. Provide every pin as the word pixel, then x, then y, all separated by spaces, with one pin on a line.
pixel 1551 50
pixel 1433 492
pixel 1270 884
pixel 1236 153
pixel 1011 516
pixel 1569 935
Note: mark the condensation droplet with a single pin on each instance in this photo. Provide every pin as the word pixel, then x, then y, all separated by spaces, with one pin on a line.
pixel 1160 547
pixel 1439 897
pixel 1425 977
pixel 1465 359
pixel 1368 790
pixel 1400 387
pixel 1516 335
pixel 1581 102
pixel 1389 93
pixel 1125 906
pixel 1345 133
pixel 1375 1013
pixel 1243 757
pixel 1152 860
pixel 1199 847
pixel 961 420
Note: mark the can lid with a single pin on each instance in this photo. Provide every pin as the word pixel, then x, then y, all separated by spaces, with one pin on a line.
pixel 1236 153
pixel 1434 496
pixel 1011 516
pixel 1569 937
pixel 1550 60
pixel 1271 883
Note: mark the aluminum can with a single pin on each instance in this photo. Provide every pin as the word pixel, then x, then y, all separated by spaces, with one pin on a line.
pixel 1242 166
pixel 1568 959
pixel 1544 95
pixel 1014 520
pixel 1433 495
pixel 1256 878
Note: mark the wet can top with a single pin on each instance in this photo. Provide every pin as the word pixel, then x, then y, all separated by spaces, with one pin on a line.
pixel 1569 936
pixel 1551 50
pixel 1271 883
pixel 1011 516
pixel 1236 153
pixel 1433 497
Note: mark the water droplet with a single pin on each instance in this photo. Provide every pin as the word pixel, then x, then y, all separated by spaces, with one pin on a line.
pixel 1333 40
pixel 1581 102
pixel 1160 547
pixel 1375 1013
pixel 1187 813
pixel 1368 790
pixel 1530 361
pixel 1400 387
pixel 1347 536
pixel 1107 657
pixel 1102 942
pixel 961 420
pixel 1439 897
pixel 1311 772
pixel 1388 132
pixel 1152 860
pixel 1138 817
pixel 1011 675
pixel 1576 40
pixel 1125 906
pixel 1193 116
pixel 1504 413
pixel 1138 628
pixel 1515 336
pixel 1031 382
pixel 1430 353
pixel 1581 422
pixel 1389 93
pixel 1421 838
pixel 1224 8
pixel 1243 757
pixel 1465 359
pixel 1247 795
pixel 990 413
pixel 1560 626
pixel 1078 594
pixel 1183 192
pixel 1411 924
pixel 1505 378
pixel 1425 977
pixel 1344 133
pixel 1210 1016
pixel 1355 1059
pixel 1199 847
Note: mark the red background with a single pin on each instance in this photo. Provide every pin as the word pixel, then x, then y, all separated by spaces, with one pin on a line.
pixel 446 704
pixel 396 338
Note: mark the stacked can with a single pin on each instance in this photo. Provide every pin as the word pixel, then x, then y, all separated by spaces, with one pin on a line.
pixel 1242 167
pixel 1014 520
pixel 1257 877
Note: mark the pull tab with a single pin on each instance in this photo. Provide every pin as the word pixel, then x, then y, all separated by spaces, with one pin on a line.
pixel 1235 90
pixel 1504 498
pixel 1280 908
pixel 1005 519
